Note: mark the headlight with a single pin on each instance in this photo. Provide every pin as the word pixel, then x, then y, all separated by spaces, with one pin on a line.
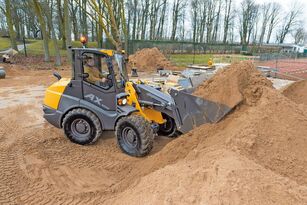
pixel 122 101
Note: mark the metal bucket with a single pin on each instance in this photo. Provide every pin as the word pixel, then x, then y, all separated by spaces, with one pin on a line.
pixel 2 73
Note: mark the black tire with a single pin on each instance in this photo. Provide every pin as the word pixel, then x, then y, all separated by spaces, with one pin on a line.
pixel 81 126
pixel 134 135
pixel 169 128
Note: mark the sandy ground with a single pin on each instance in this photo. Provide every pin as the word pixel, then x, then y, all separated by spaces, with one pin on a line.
pixel 257 155
pixel 38 165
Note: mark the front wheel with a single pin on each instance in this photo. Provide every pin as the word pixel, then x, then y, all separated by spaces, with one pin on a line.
pixel 134 135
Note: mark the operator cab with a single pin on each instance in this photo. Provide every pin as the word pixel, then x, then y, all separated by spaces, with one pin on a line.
pixel 101 74
pixel 102 68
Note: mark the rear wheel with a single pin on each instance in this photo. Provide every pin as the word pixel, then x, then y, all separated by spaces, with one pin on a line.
pixel 134 135
pixel 81 126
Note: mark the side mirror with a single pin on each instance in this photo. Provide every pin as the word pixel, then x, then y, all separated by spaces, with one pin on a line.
pixel 57 75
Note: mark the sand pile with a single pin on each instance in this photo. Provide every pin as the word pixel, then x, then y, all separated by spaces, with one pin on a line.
pixel 149 59
pixel 257 155
pixel 231 86
pixel 297 92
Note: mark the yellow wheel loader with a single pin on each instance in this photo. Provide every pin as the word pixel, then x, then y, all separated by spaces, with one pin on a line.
pixel 100 97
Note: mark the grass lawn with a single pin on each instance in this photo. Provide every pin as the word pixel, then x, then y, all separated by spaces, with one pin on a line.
pixel 36 47
pixel 186 59
pixel 4 43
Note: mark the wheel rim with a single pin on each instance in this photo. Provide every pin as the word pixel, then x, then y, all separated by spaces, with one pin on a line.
pixel 80 128
pixel 130 137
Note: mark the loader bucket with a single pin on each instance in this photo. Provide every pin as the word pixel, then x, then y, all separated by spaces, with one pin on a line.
pixel 192 111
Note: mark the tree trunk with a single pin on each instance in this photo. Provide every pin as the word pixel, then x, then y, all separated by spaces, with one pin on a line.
pixel 38 11
pixel 67 23
pixel 99 32
pixel 226 20
pixel 54 40
pixel 84 18
pixel 12 32
pixel 61 23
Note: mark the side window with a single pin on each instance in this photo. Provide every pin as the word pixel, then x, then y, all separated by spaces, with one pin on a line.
pixel 97 69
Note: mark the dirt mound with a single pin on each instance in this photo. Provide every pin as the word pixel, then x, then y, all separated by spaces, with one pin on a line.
pixel 214 177
pixel 149 59
pixel 257 155
pixel 234 84
pixel 297 92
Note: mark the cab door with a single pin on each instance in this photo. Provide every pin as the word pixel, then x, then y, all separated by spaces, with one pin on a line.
pixel 98 85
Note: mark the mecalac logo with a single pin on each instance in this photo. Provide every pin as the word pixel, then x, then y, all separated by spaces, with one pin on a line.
pixel 94 98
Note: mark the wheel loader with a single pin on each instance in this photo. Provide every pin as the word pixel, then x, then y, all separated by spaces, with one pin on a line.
pixel 99 97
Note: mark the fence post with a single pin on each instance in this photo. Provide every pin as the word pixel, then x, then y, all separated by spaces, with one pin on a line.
pixel 194 52
pixel 24 46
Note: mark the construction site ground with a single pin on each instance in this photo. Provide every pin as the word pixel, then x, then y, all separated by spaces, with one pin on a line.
pixel 224 163
pixel 38 165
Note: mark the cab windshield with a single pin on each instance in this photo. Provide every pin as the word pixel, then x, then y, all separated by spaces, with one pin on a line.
pixel 120 68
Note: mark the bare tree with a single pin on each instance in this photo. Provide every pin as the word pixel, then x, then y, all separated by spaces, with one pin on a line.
pixel 217 21
pixel 195 16
pixel 48 12
pixel 154 8
pixel 202 9
pixel 247 17
pixel 9 21
pixel 273 20
pixel 84 23
pixel 144 18
pixel 67 26
pixel 162 19
pixel 265 14
pixel 289 22
pixel 112 20
pixel 227 18
pixel 38 10
pixel 254 28
pixel 210 19
pixel 74 19
pixel 134 8
pixel 178 7
pixel 299 35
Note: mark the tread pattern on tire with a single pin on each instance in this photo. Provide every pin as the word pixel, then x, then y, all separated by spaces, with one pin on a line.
pixel 145 131
pixel 88 114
